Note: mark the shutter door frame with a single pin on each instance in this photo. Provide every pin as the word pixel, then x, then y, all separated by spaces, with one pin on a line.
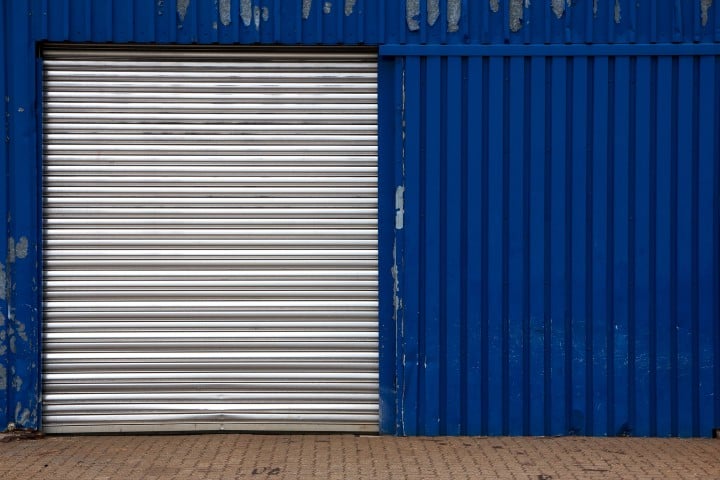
pixel 210 239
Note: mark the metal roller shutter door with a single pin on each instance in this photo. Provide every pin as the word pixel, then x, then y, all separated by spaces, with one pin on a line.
pixel 210 240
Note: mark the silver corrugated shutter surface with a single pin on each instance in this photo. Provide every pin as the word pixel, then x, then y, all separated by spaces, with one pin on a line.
pixel 210 240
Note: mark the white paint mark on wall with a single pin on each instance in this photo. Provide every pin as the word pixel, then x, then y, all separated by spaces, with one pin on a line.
pixel 618 11
pixel 412 14
pixel 306 7
pixel 454 11
pixel 246 12
pixel 224 7
pixel 349 7
pixel 495 6
pixel 256 17
pixel 327 8
pixel 704 7
pixel 21 248
pixel 433 11
pixel 516 15
pixel 265 14
pixel 182 8
pixel 399 207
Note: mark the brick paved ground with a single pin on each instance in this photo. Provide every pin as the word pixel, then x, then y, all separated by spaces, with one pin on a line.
pixel 250 457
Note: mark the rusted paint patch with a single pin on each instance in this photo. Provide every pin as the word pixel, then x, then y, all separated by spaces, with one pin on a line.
pixel 182 8
pixel 704 7
pixel 306 8
pixel 433 11
pixel 327 8
pixel 618 11
pixel 495 6
pixel 412 14
pixel 224 8
pixel 246 12
pixel 454 11
pixel 516 15
pixel 349 7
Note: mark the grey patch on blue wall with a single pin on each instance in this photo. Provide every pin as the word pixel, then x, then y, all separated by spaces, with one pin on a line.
pixel 618 11
pixel 224 8
pixel 21 248
pixel 246 12
pixel 595 8
pixel 265 14
pixel 349 6
pixel 412 12
pixel 3 285
pixel 495 6
pixel 516 15
pixel 704 7
pixel 17 383
pixel 306 8
pixel 327 8
pixel 3 378
pixel 10 250
pixel 182 8
pixel 454 11
pixel 22 415
pixel 256 17
pixel 558 7
pixel 433 11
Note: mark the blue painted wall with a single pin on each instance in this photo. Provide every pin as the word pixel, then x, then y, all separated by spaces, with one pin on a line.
pixel 549 181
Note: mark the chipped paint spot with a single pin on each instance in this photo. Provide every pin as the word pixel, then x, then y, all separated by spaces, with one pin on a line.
pixel 182 8
pixel 349 6
pixel 11 343
pixel 20 330
pixel 17 383
pixel 516 15
pixel 412 12
pixel 3 378
pixel 256 17
pixel 161 7
pixel 11 250
pixel 558 7
pixel 3 288
pixel 433 11
pixel 306 8
pixel 595 8
pixel 618 11
pixel 399 207
pixel 495 6
pixel 395 272
pixel 21 415
pixel 21 109
pixel 224 8
pixel 21 248
pixel 327 8
pixel 265 14
pixel 214 25
pixel 704 7
pixel 246 12
pixel 454 11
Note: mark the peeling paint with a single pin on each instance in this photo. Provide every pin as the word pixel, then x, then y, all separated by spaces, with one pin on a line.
pixel 265 14
pixel 516 15
pixel 21 248
pixel 17 383
pixel 22 415
pixel 618 11
pixel 558 8
pixel 224 8
pixel 246 12
pixel 395 272
pixel 399 207
pixel 306 8
pixel 3 378
pixel 454 11
pixel 256 17
pixel 349 6
pixel 595 8
pixel 10 250
pixel 21 109
pixel 11 343
pixel 433 11
pixel 182 8
pixel 412 12
pixel 327 8
pixel 3 287
pixel 495 6
pixel 704 7
pixel 214 25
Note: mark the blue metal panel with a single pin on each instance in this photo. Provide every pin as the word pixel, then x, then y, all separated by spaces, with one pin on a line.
pixel 588 232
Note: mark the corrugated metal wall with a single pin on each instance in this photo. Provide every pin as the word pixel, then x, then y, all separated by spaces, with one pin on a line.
pixel 637 268
pixel 559 245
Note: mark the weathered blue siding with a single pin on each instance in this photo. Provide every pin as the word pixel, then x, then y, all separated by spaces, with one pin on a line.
pixel 559 244
pixel 549 182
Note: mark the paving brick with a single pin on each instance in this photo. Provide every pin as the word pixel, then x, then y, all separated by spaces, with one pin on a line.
pixel 342 457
